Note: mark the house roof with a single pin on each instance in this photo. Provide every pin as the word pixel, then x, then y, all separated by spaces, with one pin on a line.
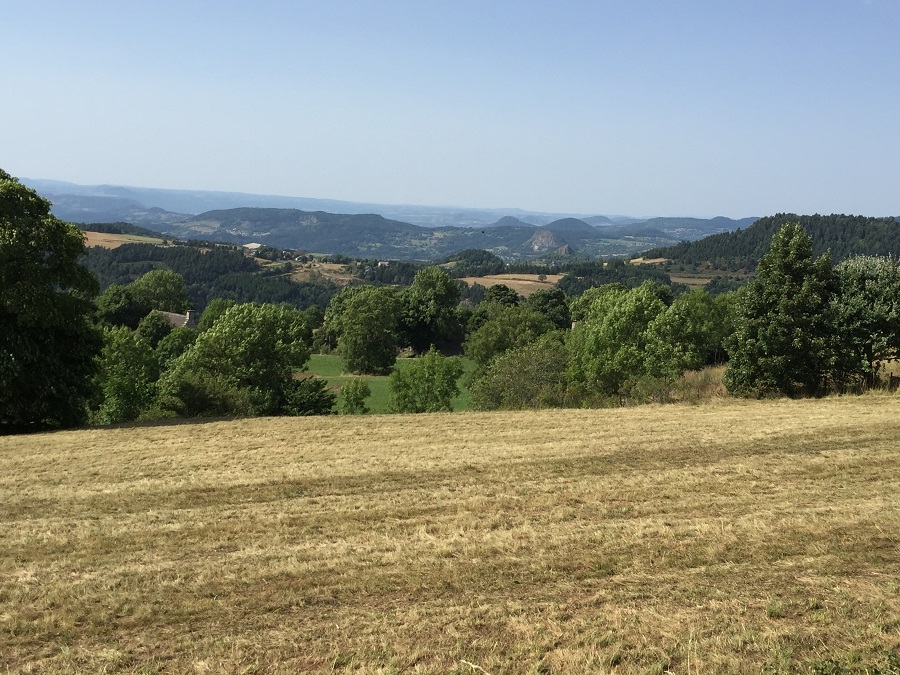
pixel 178 320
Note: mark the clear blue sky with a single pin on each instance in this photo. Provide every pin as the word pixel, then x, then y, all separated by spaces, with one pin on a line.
pixel 630 107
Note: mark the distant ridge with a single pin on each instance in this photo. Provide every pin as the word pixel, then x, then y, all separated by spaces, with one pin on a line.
pixel 842 235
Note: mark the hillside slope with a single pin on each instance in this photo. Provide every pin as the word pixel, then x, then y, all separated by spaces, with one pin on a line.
pixel 741 537
pixel 373 236
pixel 843 235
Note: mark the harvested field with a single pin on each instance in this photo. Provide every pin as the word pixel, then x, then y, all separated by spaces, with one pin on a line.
pixel 733 537
pixel 648 261
pixel 315 271
pixel 106 240
pixel 523 284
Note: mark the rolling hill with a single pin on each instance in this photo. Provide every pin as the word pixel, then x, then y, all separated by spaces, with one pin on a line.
pixel 842 235
pixel 374 236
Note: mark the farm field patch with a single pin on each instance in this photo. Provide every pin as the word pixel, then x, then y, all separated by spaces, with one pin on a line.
pixel 107 240
pixel 737 536
pixel 523 284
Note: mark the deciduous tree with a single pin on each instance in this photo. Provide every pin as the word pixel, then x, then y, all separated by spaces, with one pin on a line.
pixel 428 384
pixel 368 325
pixel 47 339
pixel 253 350
pixel 429 318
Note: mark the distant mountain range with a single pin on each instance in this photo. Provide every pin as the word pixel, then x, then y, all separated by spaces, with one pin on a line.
pixel 371 230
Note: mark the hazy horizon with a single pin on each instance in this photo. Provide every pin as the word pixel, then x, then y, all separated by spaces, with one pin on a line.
pixel 627 108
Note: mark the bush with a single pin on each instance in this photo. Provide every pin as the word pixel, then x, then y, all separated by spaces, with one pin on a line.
pixel 308 396
pixel 353 398
pixel 532 376
pixel 427 385
pixel 201 394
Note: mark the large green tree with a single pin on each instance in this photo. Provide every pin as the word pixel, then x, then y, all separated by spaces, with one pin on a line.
pixel 47 339
pixel 429 317
pixel 687 335
pixel 783 342
pixel 508 327
pixel 866 311
pixel 127 378
pixel 367 323
pixel 428 384
pixel 161 289
pixel 248 356
pixel 609 344
pixel 530 376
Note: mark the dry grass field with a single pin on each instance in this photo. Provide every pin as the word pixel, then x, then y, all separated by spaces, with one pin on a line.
pixel 523 284
pixel 312 271
pixel 731 537
pixel 106 240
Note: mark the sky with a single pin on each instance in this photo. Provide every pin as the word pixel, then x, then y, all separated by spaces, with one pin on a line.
pixel 633 107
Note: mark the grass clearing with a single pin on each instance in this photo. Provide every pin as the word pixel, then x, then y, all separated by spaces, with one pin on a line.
pixel 737 536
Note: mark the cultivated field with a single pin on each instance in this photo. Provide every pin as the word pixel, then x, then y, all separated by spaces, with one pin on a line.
pixel 523 284
pixel 106 240
pixel 732 537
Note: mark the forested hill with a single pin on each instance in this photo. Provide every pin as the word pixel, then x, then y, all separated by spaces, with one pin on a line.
pixel 373 236
pixel 844 236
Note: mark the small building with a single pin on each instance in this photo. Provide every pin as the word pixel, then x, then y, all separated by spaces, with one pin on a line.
pixel 176 320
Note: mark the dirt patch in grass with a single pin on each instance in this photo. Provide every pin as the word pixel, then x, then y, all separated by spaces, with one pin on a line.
pixel 738 536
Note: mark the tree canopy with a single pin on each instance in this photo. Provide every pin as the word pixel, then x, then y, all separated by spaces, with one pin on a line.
pixel 783 339
pixel 47 340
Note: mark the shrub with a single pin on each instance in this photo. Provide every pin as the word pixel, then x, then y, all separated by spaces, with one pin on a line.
pixel 427 385
pixel 353 398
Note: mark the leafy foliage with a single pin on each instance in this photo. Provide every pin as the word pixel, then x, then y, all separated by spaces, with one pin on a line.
pixel 160 289
pixel 127 376
pixel 427 385
pixel 214 310
pixel 609 344
pixel 507 328
pixel 353 397
pixel 552 303
pixel 687 335
pixel 253 350
pixel 429 318
pixel 530 376
pixel 866 312
pixel 783 341
pixel 46 336
pixel 366 321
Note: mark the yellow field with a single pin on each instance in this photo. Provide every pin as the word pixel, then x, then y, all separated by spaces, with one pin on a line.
pixel 523 284
pixel 733 537
pixel 106 240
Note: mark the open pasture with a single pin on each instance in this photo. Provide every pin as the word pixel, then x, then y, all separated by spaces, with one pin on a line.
pixel 733 537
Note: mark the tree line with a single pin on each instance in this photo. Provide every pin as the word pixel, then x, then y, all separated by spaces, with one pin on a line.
pixel 842 236
pixel 802 327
